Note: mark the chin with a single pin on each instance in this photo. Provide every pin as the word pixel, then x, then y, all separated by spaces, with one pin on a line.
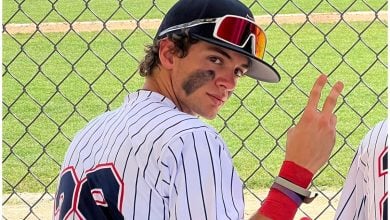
pixel 209 116
pixel 208 113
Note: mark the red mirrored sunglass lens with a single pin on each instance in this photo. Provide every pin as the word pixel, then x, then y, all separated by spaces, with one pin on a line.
pixel 237 31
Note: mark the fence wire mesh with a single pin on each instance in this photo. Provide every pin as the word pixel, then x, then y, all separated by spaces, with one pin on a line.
pixel 65 62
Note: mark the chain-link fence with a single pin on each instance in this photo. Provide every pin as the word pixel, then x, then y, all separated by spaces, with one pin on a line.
pixel 65 62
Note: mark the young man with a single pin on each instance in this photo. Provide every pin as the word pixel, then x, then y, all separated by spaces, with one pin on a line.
pixel 153 158
pixel 365 191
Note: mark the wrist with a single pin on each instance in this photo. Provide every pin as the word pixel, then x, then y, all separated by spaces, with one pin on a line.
pixel 296 174
pixel 281 202
pixel 295 197
pixel 278 206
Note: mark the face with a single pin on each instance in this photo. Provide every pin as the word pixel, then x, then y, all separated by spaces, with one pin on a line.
pixel 204 79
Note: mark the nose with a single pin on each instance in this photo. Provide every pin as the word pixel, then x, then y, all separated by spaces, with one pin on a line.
pixel 227 80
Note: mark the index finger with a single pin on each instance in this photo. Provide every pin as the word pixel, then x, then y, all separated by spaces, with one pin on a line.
pixel 315 93
pixel 331 100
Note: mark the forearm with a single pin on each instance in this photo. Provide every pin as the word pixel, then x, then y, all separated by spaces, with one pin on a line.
pixel 281 202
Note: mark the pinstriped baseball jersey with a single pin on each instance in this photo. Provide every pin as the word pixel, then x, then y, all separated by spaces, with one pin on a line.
pixel 148 160
pixel 365 191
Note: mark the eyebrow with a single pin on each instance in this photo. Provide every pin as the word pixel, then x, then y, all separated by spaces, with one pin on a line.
pixel 219 50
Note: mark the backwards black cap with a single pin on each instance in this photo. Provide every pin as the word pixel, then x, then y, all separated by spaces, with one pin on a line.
pixel 185 11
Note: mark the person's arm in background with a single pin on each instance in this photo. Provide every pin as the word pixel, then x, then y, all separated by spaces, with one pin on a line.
pixel 364 194
pixel 308 148
pixel 350 191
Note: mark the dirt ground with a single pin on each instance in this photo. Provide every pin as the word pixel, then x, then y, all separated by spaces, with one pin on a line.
pixel 154 23
pixel 15 209
pixel 321 208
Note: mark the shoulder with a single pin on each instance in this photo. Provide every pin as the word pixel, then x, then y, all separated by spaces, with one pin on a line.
pixel 188 130
pixel 159 125
pixel 203 142
pixel 376 137
pixel 373 148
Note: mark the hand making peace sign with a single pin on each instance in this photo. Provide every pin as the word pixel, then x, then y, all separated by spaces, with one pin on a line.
pixel 311 141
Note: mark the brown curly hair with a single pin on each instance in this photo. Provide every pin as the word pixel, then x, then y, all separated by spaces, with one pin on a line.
pixel 182 42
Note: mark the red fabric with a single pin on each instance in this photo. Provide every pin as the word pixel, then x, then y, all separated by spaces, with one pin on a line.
pixel 295 174
pixel 277 205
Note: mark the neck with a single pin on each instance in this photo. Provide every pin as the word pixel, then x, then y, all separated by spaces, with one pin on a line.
pixel 161 82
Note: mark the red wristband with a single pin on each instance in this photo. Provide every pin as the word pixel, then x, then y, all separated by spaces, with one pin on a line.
pixel 295 174
pixel 279 206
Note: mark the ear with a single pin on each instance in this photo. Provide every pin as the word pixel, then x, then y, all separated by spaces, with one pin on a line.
pixel 166 53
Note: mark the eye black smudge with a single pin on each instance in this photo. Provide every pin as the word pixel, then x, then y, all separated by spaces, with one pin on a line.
pixel 197 80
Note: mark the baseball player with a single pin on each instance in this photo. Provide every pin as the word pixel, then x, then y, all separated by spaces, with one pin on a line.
pixel 153 158
pixel 364 194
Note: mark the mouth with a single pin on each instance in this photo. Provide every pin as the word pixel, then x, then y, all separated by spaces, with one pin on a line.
pixel 217 100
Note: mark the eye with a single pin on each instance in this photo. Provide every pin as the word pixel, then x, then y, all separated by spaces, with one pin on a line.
pixel 215 60
pixel 239 72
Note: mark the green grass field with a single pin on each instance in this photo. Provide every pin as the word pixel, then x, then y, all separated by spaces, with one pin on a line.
pixel 45 11
pixel 71 85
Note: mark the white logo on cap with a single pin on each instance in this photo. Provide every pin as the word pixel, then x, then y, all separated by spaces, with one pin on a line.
pixel 249 17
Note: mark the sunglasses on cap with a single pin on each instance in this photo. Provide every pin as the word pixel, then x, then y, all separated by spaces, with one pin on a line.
pixel 232 29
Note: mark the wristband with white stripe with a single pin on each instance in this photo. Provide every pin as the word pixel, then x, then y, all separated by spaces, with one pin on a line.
pixel 306 194
pixel 291 194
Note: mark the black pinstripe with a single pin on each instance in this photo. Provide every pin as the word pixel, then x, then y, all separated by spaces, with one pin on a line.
pixel 186 187
pixel 224 205
pixel 212 165
pixel 200 176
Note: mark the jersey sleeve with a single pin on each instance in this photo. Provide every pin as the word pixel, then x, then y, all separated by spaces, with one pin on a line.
pixel 352 200
pixel 201 182
pixel 364 194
